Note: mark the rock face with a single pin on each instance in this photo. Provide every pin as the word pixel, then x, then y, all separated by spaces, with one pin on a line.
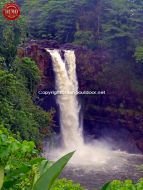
pixel 116 115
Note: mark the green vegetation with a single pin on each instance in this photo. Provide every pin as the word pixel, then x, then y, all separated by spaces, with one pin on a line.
pixel 124 185
pixel 11 35
pixel 48 175
pixel 122 21
pixel 110 25
pixel 92 23
pixel 65 184
pixel 139 54
pixel 21 168
pixel 96 24
pixel 17 110
pixel 29 73
pixel 16 161
pixel 18 82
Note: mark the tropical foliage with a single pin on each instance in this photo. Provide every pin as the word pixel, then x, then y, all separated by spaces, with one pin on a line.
pixel 65 184
pixel 22 168
pixel 124 185
pixel 93 23
pixel 17 110
pixel 96 24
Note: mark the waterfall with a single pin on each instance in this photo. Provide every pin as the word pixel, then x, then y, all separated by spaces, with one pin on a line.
pixel 71 127
pixel 66 81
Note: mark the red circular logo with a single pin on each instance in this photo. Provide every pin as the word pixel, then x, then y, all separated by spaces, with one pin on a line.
pixel 11 11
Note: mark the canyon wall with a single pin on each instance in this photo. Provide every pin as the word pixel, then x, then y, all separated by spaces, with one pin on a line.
pixel 117 114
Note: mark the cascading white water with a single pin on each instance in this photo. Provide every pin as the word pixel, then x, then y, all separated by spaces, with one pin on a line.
pixel 66 81
pixel 95 152
pixel 93 160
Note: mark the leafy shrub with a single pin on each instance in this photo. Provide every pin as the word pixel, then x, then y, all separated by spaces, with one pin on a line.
pixel 15 160
pixel 64 184
pixel 124 185
pixel 17 110
pixel 22 169
pixel 139 54
pixel 48 175
pixel 29 72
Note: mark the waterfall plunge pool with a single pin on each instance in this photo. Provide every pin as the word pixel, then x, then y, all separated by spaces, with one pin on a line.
pixel 95 163
pixel 93 176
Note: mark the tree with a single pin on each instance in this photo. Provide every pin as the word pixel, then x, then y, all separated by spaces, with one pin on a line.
pixel 85 38
pixel 55 19
pixel 27 71
pixel 12 33
pixel 17 110
pixel 121 25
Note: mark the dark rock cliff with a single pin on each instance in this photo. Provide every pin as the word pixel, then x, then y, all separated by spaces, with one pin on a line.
pixel 116 115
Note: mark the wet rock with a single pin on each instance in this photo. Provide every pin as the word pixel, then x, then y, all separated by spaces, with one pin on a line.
pixel 120 108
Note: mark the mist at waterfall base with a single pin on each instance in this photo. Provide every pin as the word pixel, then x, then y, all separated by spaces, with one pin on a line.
pixel 93 152
pixel 94 155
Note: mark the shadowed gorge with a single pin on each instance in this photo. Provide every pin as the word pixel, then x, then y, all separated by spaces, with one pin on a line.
pixel 116 115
